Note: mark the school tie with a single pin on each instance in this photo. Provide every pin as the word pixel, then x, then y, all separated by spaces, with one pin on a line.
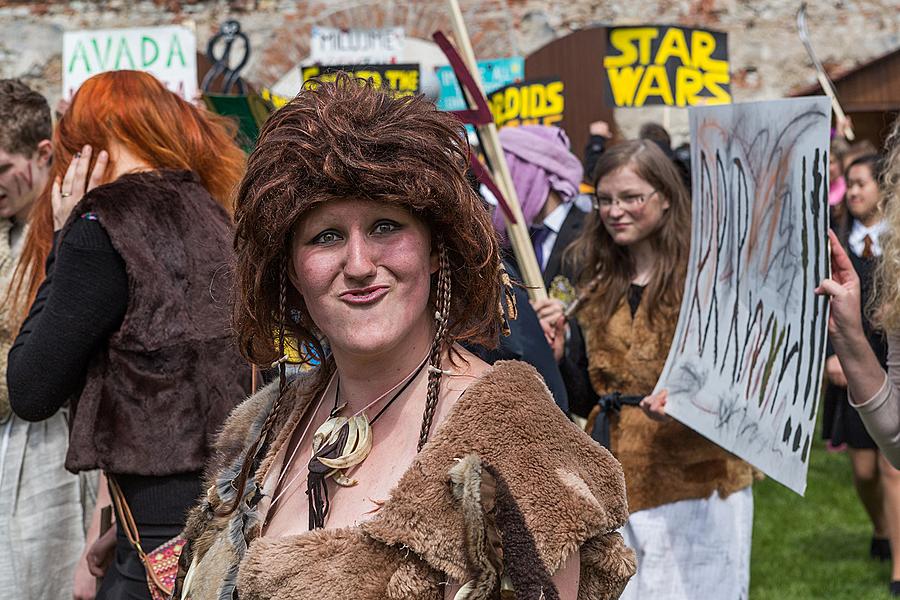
pixel 539 235
pixel 867 247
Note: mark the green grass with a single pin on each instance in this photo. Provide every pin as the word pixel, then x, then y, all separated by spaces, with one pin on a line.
pixel 817 546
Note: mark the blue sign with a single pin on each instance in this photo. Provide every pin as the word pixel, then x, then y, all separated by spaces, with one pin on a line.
pixel 495 73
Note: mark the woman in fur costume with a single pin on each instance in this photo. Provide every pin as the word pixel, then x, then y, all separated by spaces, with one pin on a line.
pixel 691 503
pixel 402 466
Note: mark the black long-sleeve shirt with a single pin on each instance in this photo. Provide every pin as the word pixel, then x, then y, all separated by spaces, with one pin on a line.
pixel 79 305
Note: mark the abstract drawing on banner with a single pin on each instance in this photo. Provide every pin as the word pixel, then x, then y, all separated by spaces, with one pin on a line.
pixel 746 363
pixel 169 53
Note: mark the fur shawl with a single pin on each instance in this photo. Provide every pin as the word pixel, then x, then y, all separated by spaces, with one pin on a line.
pixel 663 462
pixel 506 488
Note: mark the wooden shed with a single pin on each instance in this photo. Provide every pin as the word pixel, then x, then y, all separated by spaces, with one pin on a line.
pixel 577 59
pixel 870 95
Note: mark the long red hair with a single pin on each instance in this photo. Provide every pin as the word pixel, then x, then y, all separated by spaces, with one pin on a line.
pixel 134 109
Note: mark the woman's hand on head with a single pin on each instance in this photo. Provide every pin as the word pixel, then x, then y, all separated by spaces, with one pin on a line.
pixel 845 322
pixel 654 406
pixel 66 194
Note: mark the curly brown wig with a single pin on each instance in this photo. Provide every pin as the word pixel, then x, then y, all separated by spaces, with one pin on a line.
pixel 348 139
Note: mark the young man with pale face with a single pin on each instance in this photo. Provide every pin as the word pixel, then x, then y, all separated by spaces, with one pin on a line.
pixel 25 149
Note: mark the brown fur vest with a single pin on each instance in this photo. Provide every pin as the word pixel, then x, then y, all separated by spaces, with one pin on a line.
pixel 159 390
pixel 505 487
pixel 663 462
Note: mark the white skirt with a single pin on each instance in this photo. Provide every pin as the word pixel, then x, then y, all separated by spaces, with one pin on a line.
pixel 692 549
pixel 43 510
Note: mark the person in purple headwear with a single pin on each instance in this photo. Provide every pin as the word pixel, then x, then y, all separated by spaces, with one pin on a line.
pixel 546 176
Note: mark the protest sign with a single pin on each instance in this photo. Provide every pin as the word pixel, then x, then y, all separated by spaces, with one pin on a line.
pixel 169 53
pixel 276 100
pixel 746 362
pixel 403 79
pixel 662 65
pixel 537 102
pixel 334 46
pixel 495 73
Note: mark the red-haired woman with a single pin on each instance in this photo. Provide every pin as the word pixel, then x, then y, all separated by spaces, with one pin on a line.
pixel 403 466
pixel 129 322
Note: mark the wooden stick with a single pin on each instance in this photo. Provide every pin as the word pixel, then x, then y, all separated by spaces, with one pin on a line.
pixel 821 75
pixel 518 231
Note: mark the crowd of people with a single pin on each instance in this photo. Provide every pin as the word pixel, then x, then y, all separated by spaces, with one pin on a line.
pixel 442 436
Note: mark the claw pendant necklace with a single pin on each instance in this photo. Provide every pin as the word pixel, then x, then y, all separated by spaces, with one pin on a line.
pixel 339 444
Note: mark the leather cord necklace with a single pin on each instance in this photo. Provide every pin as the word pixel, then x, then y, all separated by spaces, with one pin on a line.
pixel 339 444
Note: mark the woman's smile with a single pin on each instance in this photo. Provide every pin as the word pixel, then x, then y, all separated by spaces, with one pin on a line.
pixel 365 296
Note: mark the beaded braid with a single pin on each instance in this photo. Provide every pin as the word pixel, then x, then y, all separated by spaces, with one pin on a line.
pixel 442 316
pixel 255 453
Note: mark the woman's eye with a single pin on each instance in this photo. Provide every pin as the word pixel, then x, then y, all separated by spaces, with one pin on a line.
pixel 386 227
pixel 326 237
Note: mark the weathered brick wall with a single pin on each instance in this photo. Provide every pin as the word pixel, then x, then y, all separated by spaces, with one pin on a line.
pixel 766 56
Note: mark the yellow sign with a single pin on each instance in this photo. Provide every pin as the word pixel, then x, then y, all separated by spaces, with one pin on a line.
pixel 660 65
pixel 403 79
pixel 536 102
pixel 276 100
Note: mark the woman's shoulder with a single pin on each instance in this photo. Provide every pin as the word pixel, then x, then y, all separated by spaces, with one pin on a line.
pixel 566 487
pixel 512 403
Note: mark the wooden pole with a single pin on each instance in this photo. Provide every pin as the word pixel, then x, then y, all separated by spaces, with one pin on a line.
pixel 518 231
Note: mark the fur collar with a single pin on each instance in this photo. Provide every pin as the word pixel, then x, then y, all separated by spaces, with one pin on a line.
pixel 504 460
pixel 568 488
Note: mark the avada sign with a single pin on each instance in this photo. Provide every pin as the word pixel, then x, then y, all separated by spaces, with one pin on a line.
pixel 746 362
pixel 169 53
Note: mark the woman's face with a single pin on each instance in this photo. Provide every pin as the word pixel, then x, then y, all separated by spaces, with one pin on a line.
pixel 364 271
pixel 630 209
pixel 862 192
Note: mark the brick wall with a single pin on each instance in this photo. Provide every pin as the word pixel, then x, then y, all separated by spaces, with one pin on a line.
pixel 766 56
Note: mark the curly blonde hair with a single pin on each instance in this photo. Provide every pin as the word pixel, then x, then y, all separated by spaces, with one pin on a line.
pixel 887 277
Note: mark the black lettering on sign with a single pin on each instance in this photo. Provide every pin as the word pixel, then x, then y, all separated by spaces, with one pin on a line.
pixel 671 66
pixel 536 102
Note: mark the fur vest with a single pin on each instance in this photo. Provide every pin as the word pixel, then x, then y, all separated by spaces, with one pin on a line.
pixel 158 392
pixel 505 484
pixel 663 462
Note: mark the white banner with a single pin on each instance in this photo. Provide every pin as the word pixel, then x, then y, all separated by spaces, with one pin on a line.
pixel 169 53
pixel 745 367
pixel 333 46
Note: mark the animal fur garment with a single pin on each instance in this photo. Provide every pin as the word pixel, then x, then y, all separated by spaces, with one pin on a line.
pixel 505 490
pixel 171 373
pixel 663 462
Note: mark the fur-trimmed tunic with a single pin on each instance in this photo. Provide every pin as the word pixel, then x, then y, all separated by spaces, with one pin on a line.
pixel 663 462
pixel 504 461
